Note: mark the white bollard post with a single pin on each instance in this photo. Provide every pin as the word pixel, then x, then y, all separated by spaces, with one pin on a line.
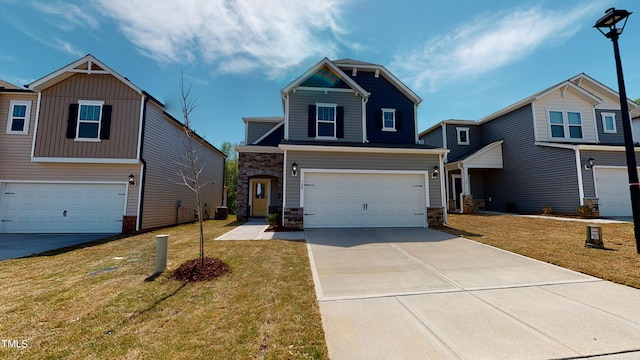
pixel 161 253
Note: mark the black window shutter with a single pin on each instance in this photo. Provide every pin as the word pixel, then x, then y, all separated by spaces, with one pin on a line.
pixel 398 120
pixel 379 119
pixel 340 122
pixel 105 128
pixel 72 121
pixel 311 132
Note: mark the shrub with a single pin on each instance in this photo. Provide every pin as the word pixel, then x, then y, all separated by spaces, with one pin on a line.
pixel 585 212
pixel 547 210
pixel 511 207
pixel 273 219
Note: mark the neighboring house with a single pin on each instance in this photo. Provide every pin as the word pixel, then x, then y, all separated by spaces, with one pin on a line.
pixel 536 153
pixel 84 150
pixel 345 154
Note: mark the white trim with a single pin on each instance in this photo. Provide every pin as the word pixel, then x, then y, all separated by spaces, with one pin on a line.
pixel 286 117
pixel 27 116
pixel 444 135
pixel 334 121
pixel 325 89
pixel 325 62
pixel 276 126
pixel 81 103
pixel 321 148
pixel 284 183
pixel 579 175
pixel 566 126
pixel 595 147
pixel 393 119
pixel 358 171
pixel 264 119
pixel 460 130
pixel 139 147
pixel 364 119
pixel 394 80
pixel 536 136
pixel 604 124
pixel 443 189
pixel 84 160
pixel 139 206
pixel 454 191
pixel 258 149
pixel 35 126
pixel 415 122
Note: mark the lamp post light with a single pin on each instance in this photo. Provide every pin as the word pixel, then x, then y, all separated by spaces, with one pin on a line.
pixel 609 22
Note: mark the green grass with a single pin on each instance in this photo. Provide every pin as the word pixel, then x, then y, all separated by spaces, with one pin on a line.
pixel 557 242
pixel 265 308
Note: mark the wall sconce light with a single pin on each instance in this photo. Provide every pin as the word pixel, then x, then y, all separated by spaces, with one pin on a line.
pixel 132 180
pixel 589 163
pixel 436 171
pixel 294 169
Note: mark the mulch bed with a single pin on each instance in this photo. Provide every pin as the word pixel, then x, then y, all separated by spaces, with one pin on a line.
pixel 200 270
pixel 272 228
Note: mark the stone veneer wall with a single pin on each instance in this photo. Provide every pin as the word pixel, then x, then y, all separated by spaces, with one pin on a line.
pixel 293 218
pixel 467 204
pixel 256 165
pixel 592 203
pixel 435 216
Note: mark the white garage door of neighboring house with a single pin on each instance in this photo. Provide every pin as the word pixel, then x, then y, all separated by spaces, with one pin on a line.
pixel 612 189
pixel 62 208
pixel 364 200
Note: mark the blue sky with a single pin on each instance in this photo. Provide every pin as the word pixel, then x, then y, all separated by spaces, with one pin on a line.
pixel 465 58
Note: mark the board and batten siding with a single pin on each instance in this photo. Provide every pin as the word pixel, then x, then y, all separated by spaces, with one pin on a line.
pixel 533 176
pixel 51 140
pixel 256 129
pixel 299 113
pixel 572 101
pixel 359 161
pixel 164 151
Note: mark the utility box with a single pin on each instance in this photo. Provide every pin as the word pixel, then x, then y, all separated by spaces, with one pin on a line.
pixel 594 237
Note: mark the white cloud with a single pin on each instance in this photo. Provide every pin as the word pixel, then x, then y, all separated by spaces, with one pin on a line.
pixel 485 44
pixel 234 36
pixel 73 15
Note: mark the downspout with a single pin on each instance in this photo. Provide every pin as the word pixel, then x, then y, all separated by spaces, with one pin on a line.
pixel 364 119
pixel 579 176
pixel 143 171
pixel 286 116
pixel 444 138
pixel 443 186
pixel 284 185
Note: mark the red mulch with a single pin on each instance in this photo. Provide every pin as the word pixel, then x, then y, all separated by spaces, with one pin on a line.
pixel 200 270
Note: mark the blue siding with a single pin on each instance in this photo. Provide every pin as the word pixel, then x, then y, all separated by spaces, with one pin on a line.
pixel 533 176
pixel 274 138
pixel 433 138
pixel 386 95
pixel 458 151
pixel 609 138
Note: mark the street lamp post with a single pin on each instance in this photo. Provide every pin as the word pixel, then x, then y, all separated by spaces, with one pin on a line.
pixel 609 22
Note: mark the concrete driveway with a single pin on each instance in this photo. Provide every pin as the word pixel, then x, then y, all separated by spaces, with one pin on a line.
pixel 19 245
pixel 424 294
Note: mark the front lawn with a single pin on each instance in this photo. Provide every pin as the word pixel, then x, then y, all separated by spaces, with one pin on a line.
pixel 557 242
pixel 94 302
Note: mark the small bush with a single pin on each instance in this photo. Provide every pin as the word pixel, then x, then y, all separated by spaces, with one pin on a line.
pixel 547 210
pixel 585 212
pixel 273 219
pixel 511 207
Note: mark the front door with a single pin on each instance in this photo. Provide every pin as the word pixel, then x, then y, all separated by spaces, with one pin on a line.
pixel 260 198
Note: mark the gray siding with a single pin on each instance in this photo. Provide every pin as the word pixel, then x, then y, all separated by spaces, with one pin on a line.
pixel 475 140
pixel 336 160
pixel 255 130
pixel 299 109
pixel 51 139
pixel 610 138
pixel 602 158
pixel 533 176
pixel 433 138
pixel 163 149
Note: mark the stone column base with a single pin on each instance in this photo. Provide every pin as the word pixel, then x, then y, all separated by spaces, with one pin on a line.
pixel 293 218
pixel 129 224
pixel 435 216
pixel 592 203
pixel 467 204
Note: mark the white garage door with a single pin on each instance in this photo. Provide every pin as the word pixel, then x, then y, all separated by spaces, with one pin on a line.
pixel 612 189
pixel 364 200
pixel 62 208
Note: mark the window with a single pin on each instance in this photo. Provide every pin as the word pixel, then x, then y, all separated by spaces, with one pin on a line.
pixel 89 115
pixel 563 123
pixel 463 136
pixel 18 120
pixel 388 119
pixel 326 120
pixel 609 123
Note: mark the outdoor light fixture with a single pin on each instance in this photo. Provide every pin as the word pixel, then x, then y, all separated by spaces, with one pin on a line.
pixel 609 22
pixel 589 163
pixel 294 169
pixel 436 171
pixel 132 180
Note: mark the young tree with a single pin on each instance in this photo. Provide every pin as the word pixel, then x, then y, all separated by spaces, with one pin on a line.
pixel 231 174
pixel 189 166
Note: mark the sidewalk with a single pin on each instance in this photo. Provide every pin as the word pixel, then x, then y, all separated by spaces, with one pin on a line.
pixel 255 229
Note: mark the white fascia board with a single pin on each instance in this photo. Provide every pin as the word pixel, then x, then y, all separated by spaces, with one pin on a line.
pixel 584 76
pixel 596 100
pixel 484 150
pixel 587 147
pixel 265 119
pixel 507 109
pixel 350 149
pixel 325 62
pixel 448 122
pixel 392 78
pixel 85 160
pixel 259 149
pixel 276 126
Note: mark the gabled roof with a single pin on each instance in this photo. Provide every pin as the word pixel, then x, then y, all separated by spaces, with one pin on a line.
pixel 582 76
pixel 326 63
pixel 476 157
pixel 448 122
pixel 85 65
pixel 4 85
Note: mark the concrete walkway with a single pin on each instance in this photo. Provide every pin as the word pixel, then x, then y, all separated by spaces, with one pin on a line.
pixel 424 294
pixel 255 229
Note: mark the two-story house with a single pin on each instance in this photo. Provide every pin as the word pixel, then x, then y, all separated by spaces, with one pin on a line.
pixel 345 154
pixel 84 150
pixel 562 147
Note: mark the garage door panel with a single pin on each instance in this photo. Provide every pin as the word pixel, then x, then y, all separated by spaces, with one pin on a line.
pixel 364 200
pixel 62 208
pixel 612 190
